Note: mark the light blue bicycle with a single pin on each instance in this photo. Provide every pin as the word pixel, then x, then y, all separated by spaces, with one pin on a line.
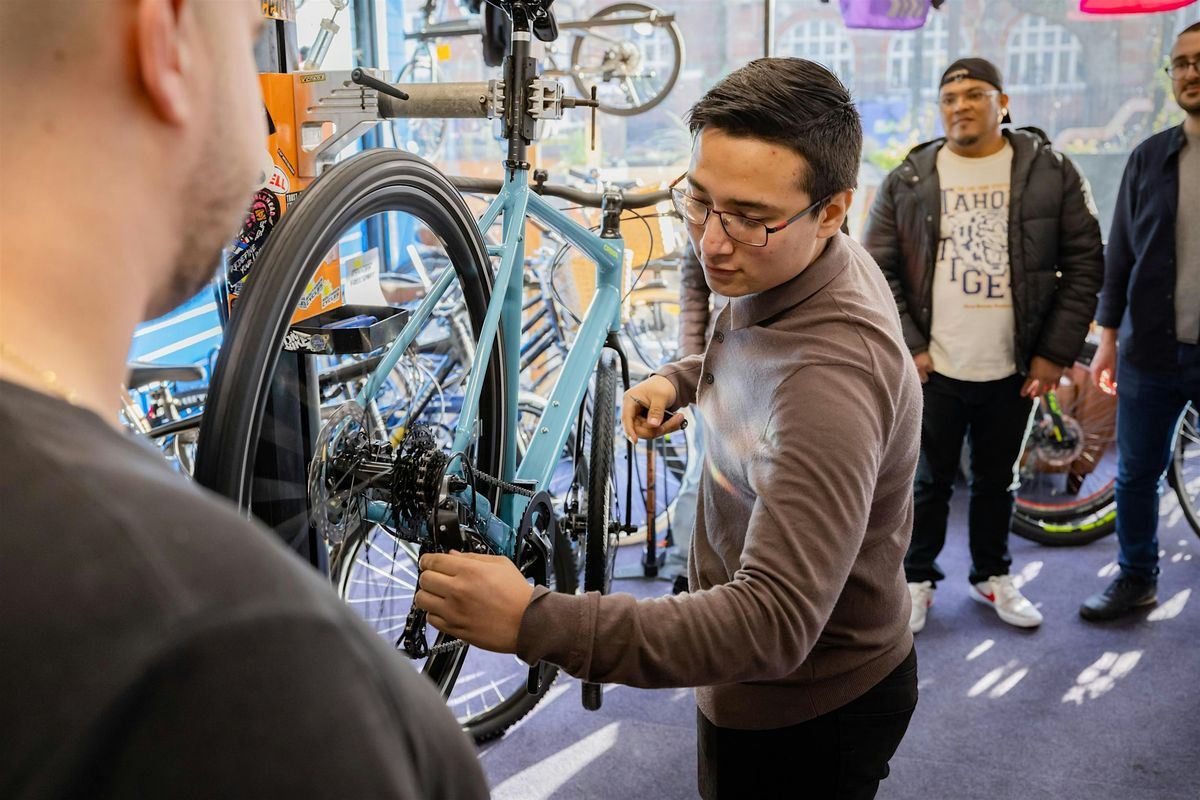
pixel 464 466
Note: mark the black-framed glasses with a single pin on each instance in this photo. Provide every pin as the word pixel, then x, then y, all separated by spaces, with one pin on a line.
pixel 740 229
pixel 1180 67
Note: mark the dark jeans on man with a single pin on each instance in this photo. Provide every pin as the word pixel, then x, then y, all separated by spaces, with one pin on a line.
pixel 994 418
pixel 842 755
pixel 1149 405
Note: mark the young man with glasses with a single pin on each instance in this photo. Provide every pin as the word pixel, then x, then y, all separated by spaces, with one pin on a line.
pixel 794 630
pixel 990 242
pixel 1150 327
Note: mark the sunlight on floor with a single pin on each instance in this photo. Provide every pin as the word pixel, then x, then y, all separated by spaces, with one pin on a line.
pixel 980 649
pixel 998 682
pixel 1102 676
pixel 1170 609
pixel 1028 573
pixel 547 776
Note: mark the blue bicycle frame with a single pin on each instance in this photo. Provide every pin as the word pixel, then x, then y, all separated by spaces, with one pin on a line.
pixel 512 205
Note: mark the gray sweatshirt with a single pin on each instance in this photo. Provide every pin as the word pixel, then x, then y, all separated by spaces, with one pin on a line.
pixel 798 601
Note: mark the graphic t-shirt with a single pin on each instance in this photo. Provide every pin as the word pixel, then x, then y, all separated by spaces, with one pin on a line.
pixel 971 335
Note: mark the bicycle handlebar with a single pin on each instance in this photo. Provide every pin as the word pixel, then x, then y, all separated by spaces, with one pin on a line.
pixel 590 199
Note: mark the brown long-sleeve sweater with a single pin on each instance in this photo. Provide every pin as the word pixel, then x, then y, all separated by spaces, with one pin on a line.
pixel 798 602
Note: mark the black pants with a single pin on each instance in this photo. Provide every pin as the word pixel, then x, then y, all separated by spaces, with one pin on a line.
pixel 842 755
pixel 995 419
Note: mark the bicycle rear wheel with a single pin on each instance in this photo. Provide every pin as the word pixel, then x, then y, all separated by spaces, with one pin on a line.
pixel 633 66
pixel 258 437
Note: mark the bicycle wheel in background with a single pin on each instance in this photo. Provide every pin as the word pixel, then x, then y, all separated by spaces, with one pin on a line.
pixel 1068 471
pixel 422 137
pixel 632 65
pixel 1184 474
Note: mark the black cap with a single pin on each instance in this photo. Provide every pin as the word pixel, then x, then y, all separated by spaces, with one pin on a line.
pixel 978 68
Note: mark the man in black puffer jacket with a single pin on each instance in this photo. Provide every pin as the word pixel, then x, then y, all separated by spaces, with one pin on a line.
pixel 990 242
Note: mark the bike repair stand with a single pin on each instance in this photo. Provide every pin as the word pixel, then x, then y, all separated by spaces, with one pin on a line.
pixel 652 557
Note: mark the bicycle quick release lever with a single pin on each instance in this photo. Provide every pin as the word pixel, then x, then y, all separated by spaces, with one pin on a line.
pixel 363 79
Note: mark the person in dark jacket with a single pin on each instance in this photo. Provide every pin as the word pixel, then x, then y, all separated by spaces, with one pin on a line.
pixel 990 242
pixel 1150 314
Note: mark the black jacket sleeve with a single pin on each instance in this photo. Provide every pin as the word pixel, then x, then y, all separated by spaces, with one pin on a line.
pixel 1080 262
pixel 881 239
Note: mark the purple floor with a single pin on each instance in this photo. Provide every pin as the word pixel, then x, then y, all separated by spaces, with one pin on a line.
pixel 1067 711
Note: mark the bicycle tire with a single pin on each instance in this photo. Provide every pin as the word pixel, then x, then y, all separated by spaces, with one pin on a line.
pixel 598 548
pixel 597 566
pixel 1066 533
pixel 1087 470
pixel 370 183
pixel 676 65
pixel 515 703
pixel 1184 472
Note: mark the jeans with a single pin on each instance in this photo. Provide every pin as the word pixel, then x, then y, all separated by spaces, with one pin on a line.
pixel 995 420
pixel 684 520
pixel 1149 405
pixel 840 755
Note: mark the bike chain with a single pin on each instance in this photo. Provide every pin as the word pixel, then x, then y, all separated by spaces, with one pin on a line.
pixel 505 485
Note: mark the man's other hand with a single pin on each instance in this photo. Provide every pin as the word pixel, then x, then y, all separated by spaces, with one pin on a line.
pixel 1044 375
pixel 924 364
pixel 644 409
pixel 480 599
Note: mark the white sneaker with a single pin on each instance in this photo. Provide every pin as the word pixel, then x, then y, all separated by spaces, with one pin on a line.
pixel 1011 606
pixel 922 598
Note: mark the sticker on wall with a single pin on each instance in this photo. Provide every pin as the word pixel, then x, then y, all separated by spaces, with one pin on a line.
pixel 261 218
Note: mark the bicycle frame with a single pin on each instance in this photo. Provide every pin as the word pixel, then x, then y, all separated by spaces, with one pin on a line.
pixel 603 317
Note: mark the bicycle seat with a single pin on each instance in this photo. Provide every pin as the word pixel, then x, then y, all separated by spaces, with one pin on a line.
pixel 143 373
pixel 541 18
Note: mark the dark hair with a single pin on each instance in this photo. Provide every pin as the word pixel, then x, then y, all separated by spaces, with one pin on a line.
pixel 796 103
pixel 1193 28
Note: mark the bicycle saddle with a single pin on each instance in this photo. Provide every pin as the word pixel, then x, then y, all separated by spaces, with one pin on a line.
pixel 541 18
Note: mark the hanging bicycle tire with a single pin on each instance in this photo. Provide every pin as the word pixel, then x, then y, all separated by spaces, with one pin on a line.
pixel 617 61
pixel 369 184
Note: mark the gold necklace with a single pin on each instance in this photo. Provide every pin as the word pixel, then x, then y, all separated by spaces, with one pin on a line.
pixel 48 377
